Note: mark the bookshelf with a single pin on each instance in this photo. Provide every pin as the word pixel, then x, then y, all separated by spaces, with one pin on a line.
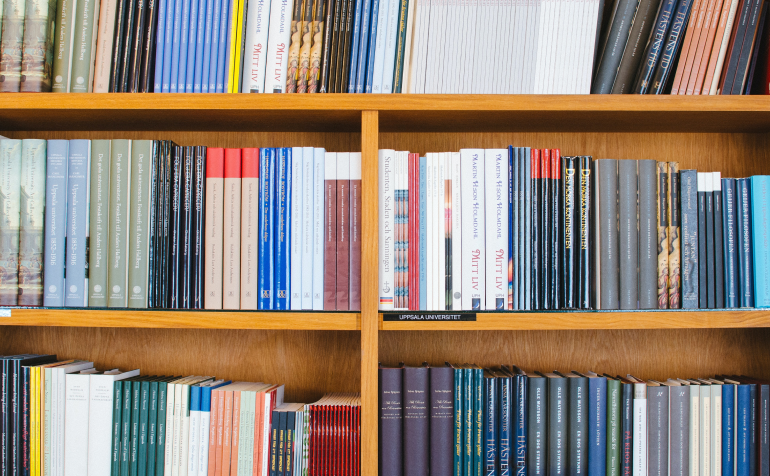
pixel 315 352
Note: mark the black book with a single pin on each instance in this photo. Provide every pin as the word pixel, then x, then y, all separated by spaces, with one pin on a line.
pixel 521 420
pixel 147 70
pixel 326 58
pixel 749 42
pixel 671 49
pixel 536 426
pixel 557 424
pixel 740 27
pixel 537 302
pixel 642 24
pixel 391 420
pixel 281 444
pixel 489 424
pixel 152 223
pixel 137 50
pixel 546 266
pixel 577 439
pixel 442 383
pixel 344 70
pixel 126 57
pixel 702 254
pixel 760 47
pixel 185 239
pixel 614 42
pixel 719 268
pixel 506 431
pixel 416 389
pixel 710 252
pixel 175 228
pixel 288 442
pixel 163 217
pixel 339 18
pixel 276 419
pixel 570 223
pixel 199 226
pixel 556 230
pixel 585 233
pixel 121 19
pixel 626 425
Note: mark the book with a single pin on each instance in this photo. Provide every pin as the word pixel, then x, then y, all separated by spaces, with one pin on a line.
pixel 119 213
pixel 296 227
pixel 629 251
pixel 473 236
pixel 689 239
pixel 702 246
pixel 215 173
pixel 356 215
pixel 416 418
pixel 745 248
pixel 83 46
pixel 730 243
pixel 142 198
pixel 657 427
pixel 607 292
pixel 719 272
pixel 674 237
pixel 31 222
pixel 343 232
pixel 78 170
pixel 249 252
pixel 759 213
pixel 391 419
pixel 652 53
pixel 496 216
pixel 55 222
pixel 648 243
pixel 37 57
pixel 330 237
pixel 318 235
pixel 267 161
pixel 278 41
pixel 282 229
pixel 663 237
pixel 231 223
pixel 10 187
pixel 99 222
pixel 710 252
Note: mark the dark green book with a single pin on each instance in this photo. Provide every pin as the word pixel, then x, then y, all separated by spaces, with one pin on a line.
pixel 152 429
pixel 136 399
pixel 116 427
pixel 614 394
pixel 398 70
pixel 125 423
pixel 144 417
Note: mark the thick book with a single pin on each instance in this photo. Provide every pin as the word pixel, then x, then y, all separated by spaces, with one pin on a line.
pixel 120 186
pixel 318 235
pixel 32 219
pixel 416 426
pixel 83 46
pixel 296 227
pixel 606 257
pixel 442 419
pixel 249 229
pixel 688 197
pixel 232 222
pixel 387 224
pixel 557 418
pixel 719 268
pixel 663 238
pixel 391 408
pixel 643 22
pixel 77 398
pixel 142 171
pixel 355 236
pixel 679 429
pixel 745 244
pixel 760 231
pixel 609 58
pixel 536 425
pixel 628 236
pixel 343 232
pixel 674 238
pixel 648 233
pixel 655 48
pixel 266 286
pixel 55 222
pixel 10 187
pixel 657 428
pixel 577 438
pixel 215 182
pixel 670 49
pixel 37 57
pixel 278 42
pixel 76 281
pixel 473 241
pixel 496 220
pixel 331 229
pixel 98 262
pixel 255 53
pixel 730 243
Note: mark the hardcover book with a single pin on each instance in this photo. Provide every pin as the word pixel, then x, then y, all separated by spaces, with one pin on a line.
pixel 120 169
pixel 629 236
pixel 142 197
pixel 689 238
pixel 745 245
pixel 55 222
pixel 37 57
pixel 266 282
pixel 215 173
pixel 331 229
pixel 663 238
pixel 10 189
pixel 249 229
pixel 473 237
pixel 760 233
pixel 282 229
pixel 648 234
pixel 78 169
pixel 674 239
pixel 606 263
pixel 31 222
pixel 232 234
pixel 343 232
pixel 99 245
pixel 496 221
pixel 355 217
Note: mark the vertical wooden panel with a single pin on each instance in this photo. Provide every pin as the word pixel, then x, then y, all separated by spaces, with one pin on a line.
pixel 369 297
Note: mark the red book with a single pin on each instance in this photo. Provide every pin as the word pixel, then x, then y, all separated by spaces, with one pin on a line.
pixel 330 232
pixel 343 231
pixel 414 261
pixel 355 231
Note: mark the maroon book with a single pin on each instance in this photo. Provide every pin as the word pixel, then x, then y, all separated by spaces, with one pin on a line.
pixel 343 231
pixel 355 231
pixel 330 233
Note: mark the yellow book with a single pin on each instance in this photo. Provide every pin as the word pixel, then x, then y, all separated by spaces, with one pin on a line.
pixel 238 49
pixel 233 42
pixel 33 383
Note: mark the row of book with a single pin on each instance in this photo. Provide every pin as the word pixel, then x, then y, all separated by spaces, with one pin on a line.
pixel 462 420
pixel 528 229
pixel 144 223
pixel 68 418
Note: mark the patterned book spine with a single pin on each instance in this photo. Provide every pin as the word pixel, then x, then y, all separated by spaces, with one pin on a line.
pixel 11 46
pixel 330 236
pixel 37 60
pixel 386 229
pixel 355 231
pixel 249 228
pixel 295 234
pixel 120 166
pixel 689 238
pixel 343 231
pixel 142 171
pixel 215 182
pixel 308 193
pixel 232 221
pixel 282 228
pixel 266 228
pixel 316 49
pixel 76 281
pixel 318 237
pixel 55 222
pixel 304 51
pixel 10 188
pixel 674 237
pixel 423 239
pixel 663 240
pixel 31 222
pixel 99 222
pixel 401 216
pixel 294 46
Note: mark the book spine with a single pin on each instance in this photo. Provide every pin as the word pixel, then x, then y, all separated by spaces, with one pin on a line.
pixel 626 428
pixel 37 56
pixel 115 428
pixel 536 224
pixel 197 53
pixel 648 252
pixel 319 169
pixel 639 462
pixel 317 48
pixel 690 245
pixel 306 240
pixel 10 187
pixel 496 178
pixel 354 46
pixel 663 238
pixel 571 224
pixel 225 14
pixel 232 222
pixel 198 226
pixel 186 231
pixel 175 228
pixel 55 220
pixel 719 269
pixel 129 39
pixel 617 38
pixel 490 423
pixel 555 229
pixel 679 411
pixel 614 435
pixel 730 229
pixel 710 252
pixel 513 227
pixel 266 223
pixel 745 246
pixel 125 422
pixel 536 429
pixel 391 39
pixel 670 50
pixel 152 429
pixel 331 229
pixel 32 218
pixel 478 420
pixel 597 425
pixel 545 229
pixel 85 11
pixel 417 420
pixel 657 429
pixel 104 46
pixel 249 229
pixel 743 430
pixel 278 43
pixel 295 234
pixel 608 236
pixel 343 232
pixel 120 169
pixel 521 403
pixel 652 53
pixel 456 231
pixel 366 75
pixel 472 166
pixel 628 236
pixel 144 417
pixel 391 420
pixel 282 229
pixel 256 46
pixel 210 33
pixel 63 39
pixel 702 249
pixel 355 201
pixel 585 232
pixel 215 173
pixel 76 281
pixel 423 240
pixel 695 429
pixel 160 44
pixel 674 237
pixel 142 171
pixel 728 429
pixel 506 427
pixel 577 459
pixel 99 223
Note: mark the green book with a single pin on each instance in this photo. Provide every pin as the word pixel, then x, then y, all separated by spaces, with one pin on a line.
pixel 99 244
pixel 614 394
pixel 478 424
pixel 125 437
pixel 144 418
pixel 31 219
pixel 37 61
pixel 141 200
pixel 10 190
pixel 160 460
pixel 116 428
pixel 120 176
pixel 62 50
pixel 84 46
pixel 152 429
pixel 11 46
pixel 136 399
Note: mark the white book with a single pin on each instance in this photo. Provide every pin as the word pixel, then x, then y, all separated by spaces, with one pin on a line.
pixel 387 158
pixel 255 50
pixel 568 42
pixel 443 42
pixel 457 251
pixel 462 21
pixel 168 458
pixel 436 238
pixel 441 231
pixel 519 26
pixel 494 52
pixel 409 45
pixel 266 424
pixel 390 47
pixel 307 229
pixel 496 206
pixel 278 45
pixel 106 33
pixel 432 44
pixel 249 246
pixel 295 232
pixel 507 36
pixel 430 239
pixel 232 237
pixel 58 393
pixel 418 46
pixel 472 167
pixel 318 228
pixel 695 429
pixel 379 48
pixel 704 439
pixel 581 55
pixel 77 395
pixel 724 42
pixel 716 427
pixel 215 210
pixel 588 65
pixel 639 453
pixel 176 446
pixel 530 46
pixel 194 443
pixel 557 48
pixel 100 410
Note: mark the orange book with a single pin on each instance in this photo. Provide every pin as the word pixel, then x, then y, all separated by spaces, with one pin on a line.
pixel 234 437
pixel 688 52
pixel 259 408
pixel 722 36
pixel 223 448
pixel 704 43
pixel 213 433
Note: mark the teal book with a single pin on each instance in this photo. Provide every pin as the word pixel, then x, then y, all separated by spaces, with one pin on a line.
pixel 116 428
pixel 32 218
pixel 125 436
pixel 468 422
pixel 160 459
pixel 478 424
pixel 760 220
pixel 136 402
pixel 99 220
pixel 144 419
pixel 140 204
pixel 152 429
pixel 10 191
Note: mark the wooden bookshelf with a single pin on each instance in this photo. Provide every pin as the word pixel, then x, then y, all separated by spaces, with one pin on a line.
pixel 315 352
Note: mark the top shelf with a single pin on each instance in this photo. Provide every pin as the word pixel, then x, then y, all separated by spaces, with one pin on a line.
pixel 397 112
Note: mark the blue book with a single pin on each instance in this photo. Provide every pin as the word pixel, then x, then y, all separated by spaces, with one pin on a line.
pixel 490 424
pixel 355 38
pixel 519 458
pixel 55 222
pixel 745 247
pixel 527 228
pixel 192 45
pixel 372 47
pixel 513 283
pixel 78 165
pixel 742 431
pixel 281 236
pixel 184 44
pixel 423 251
pixel 363 47
pixel 728 428
pixel 224 45
pixel 266 220
pixel 730 243
pixel 168 45
pixel 200 34
pixel 506 423
pixel 689 238
pixel 597 424
pixel 457 455
pixel 214 48
pixel 654 49
pixel 176 49
pixel 160 43
pixel 208 28
pixel 760 214
pixel 478 419
pixel 753 400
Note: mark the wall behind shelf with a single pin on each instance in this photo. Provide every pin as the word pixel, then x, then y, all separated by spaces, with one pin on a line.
pixel 310 363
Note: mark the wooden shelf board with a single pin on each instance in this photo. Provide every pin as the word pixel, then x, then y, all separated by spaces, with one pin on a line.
pixel 595 320
pixel 182 319
pixel 397 112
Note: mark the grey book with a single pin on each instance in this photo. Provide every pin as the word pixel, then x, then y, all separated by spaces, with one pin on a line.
pixel 577 439
pixel 657 429
pixel 628 236
pixel 606 256
pixel 62 51
pixel 557 424
pixel 32 218
pixel 37 61
pixel 11 46
pixel 648 235
pixel 10 191
pixel 641 28
pixel 99 223
pixel 120 177
pixel 76 278
pixel 613 49
pixel 679 433
pixel 83 46
pixel 142 172
pixel 536 425
pixel 688 197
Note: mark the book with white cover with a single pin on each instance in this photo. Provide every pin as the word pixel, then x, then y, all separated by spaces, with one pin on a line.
pixel 295 232
pixel 694 428
pixel 215 210
pixel 705 433
pixel 457 231
pixel 441 233
pixel 58 393
pixel 496 187
pixel 255 51
pixel 379 45
pixel 105 37
pixel 420 48
pixel 434 233
pixel 278 45
pixel 306 242
pixel 318 228
pixel 430 270
pixel 390 47
pixel 407 63
pixel 387 159
pixel 77 396
pixel 473 290
pixel 639 451
pixel 232 231
pixel 249 228
pixel 100 411
pixel 716 427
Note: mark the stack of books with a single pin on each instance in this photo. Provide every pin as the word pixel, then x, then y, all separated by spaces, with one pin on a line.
pixel 465 420
pixel 529 229
pixel 148 223
pixel 66 417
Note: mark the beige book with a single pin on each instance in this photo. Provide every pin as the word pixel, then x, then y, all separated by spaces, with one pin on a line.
pixel 232 235
pixel 215 184
pixel 249 228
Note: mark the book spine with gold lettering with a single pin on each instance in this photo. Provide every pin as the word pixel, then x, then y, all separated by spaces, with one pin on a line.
pixel 570 225
pixel 662 176
pixel 674 239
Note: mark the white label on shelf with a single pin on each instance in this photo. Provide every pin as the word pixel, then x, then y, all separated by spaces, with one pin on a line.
pixel 5 313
